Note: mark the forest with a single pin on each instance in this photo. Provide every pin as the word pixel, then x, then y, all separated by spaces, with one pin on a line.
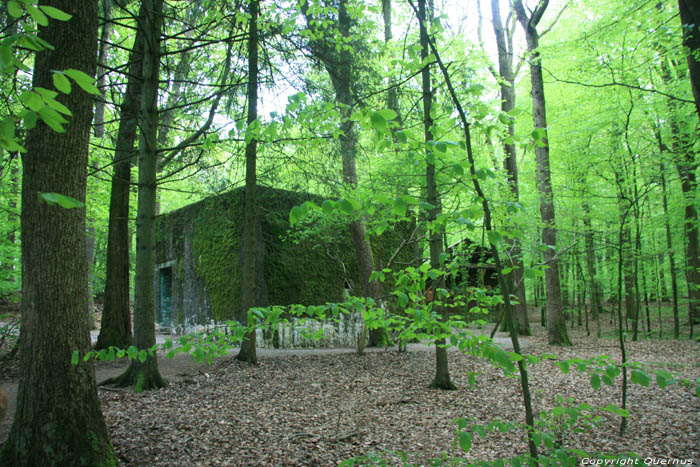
pixel 496 200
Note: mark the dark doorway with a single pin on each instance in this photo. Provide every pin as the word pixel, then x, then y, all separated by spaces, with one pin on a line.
pixel 166 296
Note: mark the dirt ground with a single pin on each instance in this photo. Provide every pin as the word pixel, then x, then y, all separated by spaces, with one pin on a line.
pixel 320 407
pixel 182 367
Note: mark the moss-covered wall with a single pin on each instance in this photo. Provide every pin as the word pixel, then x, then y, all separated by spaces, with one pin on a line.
pixel 202 242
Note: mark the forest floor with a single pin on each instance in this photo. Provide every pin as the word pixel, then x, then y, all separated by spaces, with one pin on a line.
pixel 322 407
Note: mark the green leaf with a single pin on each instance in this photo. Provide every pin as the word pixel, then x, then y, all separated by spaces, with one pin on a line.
pixel 640 377
pixel 53 119
pixel 661 381
pixel 75 358
pixel 297 213
pixel 465 441
pixel 388 114
pixel 37 15
pixel 143 355
pixel 595 381
pixel 607 380
pixel 401 137
pixel 378 121
pixel 55 13
pixel 564 366
pixel 14 9
pixel 328 207
pixel 61 82
pixel 403 299
pixel 85 81
pixel 132 352
pixel 32 100
pixel 399 207
pixel 494 237
pixel 64 201
pixel 346 206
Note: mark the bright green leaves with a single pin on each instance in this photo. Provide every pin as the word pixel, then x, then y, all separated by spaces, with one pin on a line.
pixel 14 9
pixel 40 14
pixel 640 377
pixel 66 202
pixel 379 119
pixel 61 83
pixel 42 103
pixel 465 441
pixel 7 136
pixel 595 381
pixel 55 13
pixel 399 207
pixel 37 15
pixel 539 137
pixel 82 79
pixel 298 213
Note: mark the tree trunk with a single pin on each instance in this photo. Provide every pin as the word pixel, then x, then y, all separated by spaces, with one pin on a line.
pixel 690 21
pixel 556 324
pixel 101 71
pixel 115 329
pixel 145 375
pixel 58 420
pixel 442 374
pixel 671 255
pixel 516 278
pixel 248 274
pixel 596 306
pixel 340 68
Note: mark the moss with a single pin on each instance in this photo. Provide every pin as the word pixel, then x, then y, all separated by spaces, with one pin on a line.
pixel 307 271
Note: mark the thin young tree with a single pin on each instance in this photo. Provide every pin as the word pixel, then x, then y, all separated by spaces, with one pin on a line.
pixel 58 420
pixel 442 374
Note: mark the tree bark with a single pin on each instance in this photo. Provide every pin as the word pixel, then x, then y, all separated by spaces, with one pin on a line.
pixel 504 44
pixel 101 71
pixel 248 274
pixel 58 420
pixel 671 255
pixel 145 375
pixel 556 324
pixel 115 329
pixel 596 306
pixel 690 22
pixel 340 67
pixel 442 374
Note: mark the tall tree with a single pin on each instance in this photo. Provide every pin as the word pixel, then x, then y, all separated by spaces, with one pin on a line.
pixel 338 61
pixel 690 22
pixel 250 238
pixel 58 419
pixel 506 71
pixel 556 324
pixel 115 329
pixel 144 375
pixel 442 374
